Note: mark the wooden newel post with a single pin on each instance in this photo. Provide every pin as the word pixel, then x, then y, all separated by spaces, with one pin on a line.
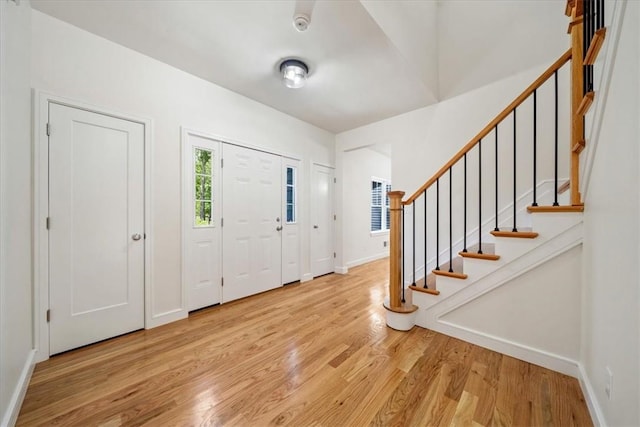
pixel 395 249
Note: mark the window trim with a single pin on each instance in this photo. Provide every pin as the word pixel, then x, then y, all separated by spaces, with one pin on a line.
pixel 385 206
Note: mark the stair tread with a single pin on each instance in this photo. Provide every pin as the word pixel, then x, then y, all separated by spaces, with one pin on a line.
pixel 568 208
pixel 524 232
pixel 475 255
pixel 487 248
pixel 454 274
pixel 425 290
pixel 431 281
pixel 488 251
pixel 457 265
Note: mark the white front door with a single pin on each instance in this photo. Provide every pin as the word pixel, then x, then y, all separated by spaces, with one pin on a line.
pixel 322 258
pixel 291 221
pixel 201 220
pixel 96 235
pixel 251 211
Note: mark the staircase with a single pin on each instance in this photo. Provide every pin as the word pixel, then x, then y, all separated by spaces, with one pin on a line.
pixel 471 229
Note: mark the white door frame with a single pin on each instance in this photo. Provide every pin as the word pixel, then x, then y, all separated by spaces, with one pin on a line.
pixel 41 102
pixel 313 205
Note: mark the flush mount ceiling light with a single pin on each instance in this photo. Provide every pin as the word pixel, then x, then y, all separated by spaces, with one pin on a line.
pixel 294 73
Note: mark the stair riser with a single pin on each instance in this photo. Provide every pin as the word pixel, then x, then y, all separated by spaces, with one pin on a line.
pixel 478 268
pixel 552 223
pixel 510 248
pixel 449 286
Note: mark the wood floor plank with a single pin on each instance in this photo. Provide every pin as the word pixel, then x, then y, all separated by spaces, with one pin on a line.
pixel 311 354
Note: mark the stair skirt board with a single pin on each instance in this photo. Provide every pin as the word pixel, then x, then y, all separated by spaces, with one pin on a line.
pixel 433 308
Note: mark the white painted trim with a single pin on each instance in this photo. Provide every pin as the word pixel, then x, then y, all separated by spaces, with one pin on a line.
pixel 324 165
pixel 13 408
pixel 239 143
pixel 360 261
pixel 596 116
pixel 313 201
pixel 41 102
pixel 307 277
pixel 342 270
pixel 529 354
pixel 590 396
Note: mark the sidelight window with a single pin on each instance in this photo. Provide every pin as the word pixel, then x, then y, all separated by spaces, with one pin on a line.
pixel 291 195
pixel 203 180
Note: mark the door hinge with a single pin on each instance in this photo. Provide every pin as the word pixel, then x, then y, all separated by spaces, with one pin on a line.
pixel 334 254
pixel 222 281
pixel 221 222
pixel 334 217
pixel 48 129
pixel 48 315
pixel 221 162
pixel 48 222
pixel 334 180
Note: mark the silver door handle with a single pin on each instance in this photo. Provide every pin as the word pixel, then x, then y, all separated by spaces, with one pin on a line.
pixel 315 226
pixel 136 236
pixel 278 228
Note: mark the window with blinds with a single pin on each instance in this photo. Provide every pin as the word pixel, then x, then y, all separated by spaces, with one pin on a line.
pixel 380 213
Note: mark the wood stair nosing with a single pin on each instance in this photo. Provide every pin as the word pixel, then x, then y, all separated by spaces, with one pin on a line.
pixel 447 273
pixel 516 234
pixel 424 290
pixel 543 209
pixel 475 255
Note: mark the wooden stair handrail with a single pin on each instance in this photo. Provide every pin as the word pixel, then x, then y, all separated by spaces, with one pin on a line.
pixel 487 129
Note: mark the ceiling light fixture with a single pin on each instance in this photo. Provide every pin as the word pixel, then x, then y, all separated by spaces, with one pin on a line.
pixel 294 73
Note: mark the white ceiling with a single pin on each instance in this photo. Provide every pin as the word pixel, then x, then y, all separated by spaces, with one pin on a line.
pixel 369 60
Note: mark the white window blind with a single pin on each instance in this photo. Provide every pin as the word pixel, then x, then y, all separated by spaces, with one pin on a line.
pixel 380 214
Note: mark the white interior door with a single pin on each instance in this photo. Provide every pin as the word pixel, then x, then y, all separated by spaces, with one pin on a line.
pixel 291 221
pixel 251 210
pixel 96 235
pixel 201 220
pixel 322 258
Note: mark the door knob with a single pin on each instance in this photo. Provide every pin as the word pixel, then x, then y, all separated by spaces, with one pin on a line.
pixel 136 236
pixel 315 226
pixel 278 228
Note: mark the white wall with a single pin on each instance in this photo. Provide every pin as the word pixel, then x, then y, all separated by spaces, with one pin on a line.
pixel 72 63
pixel 540 309
pixel 480 42
pixel 611 323
pixel 359 166
pixel 16 333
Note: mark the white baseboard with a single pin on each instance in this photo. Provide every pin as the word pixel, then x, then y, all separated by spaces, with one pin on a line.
pixel 11 416
pixel 365 260
pixel 306 277
pixel 590 396
pixel 341 270
pixel 520 351
pixel 166 317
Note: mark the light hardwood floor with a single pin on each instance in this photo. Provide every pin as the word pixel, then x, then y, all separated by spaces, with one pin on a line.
pixel 316 353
